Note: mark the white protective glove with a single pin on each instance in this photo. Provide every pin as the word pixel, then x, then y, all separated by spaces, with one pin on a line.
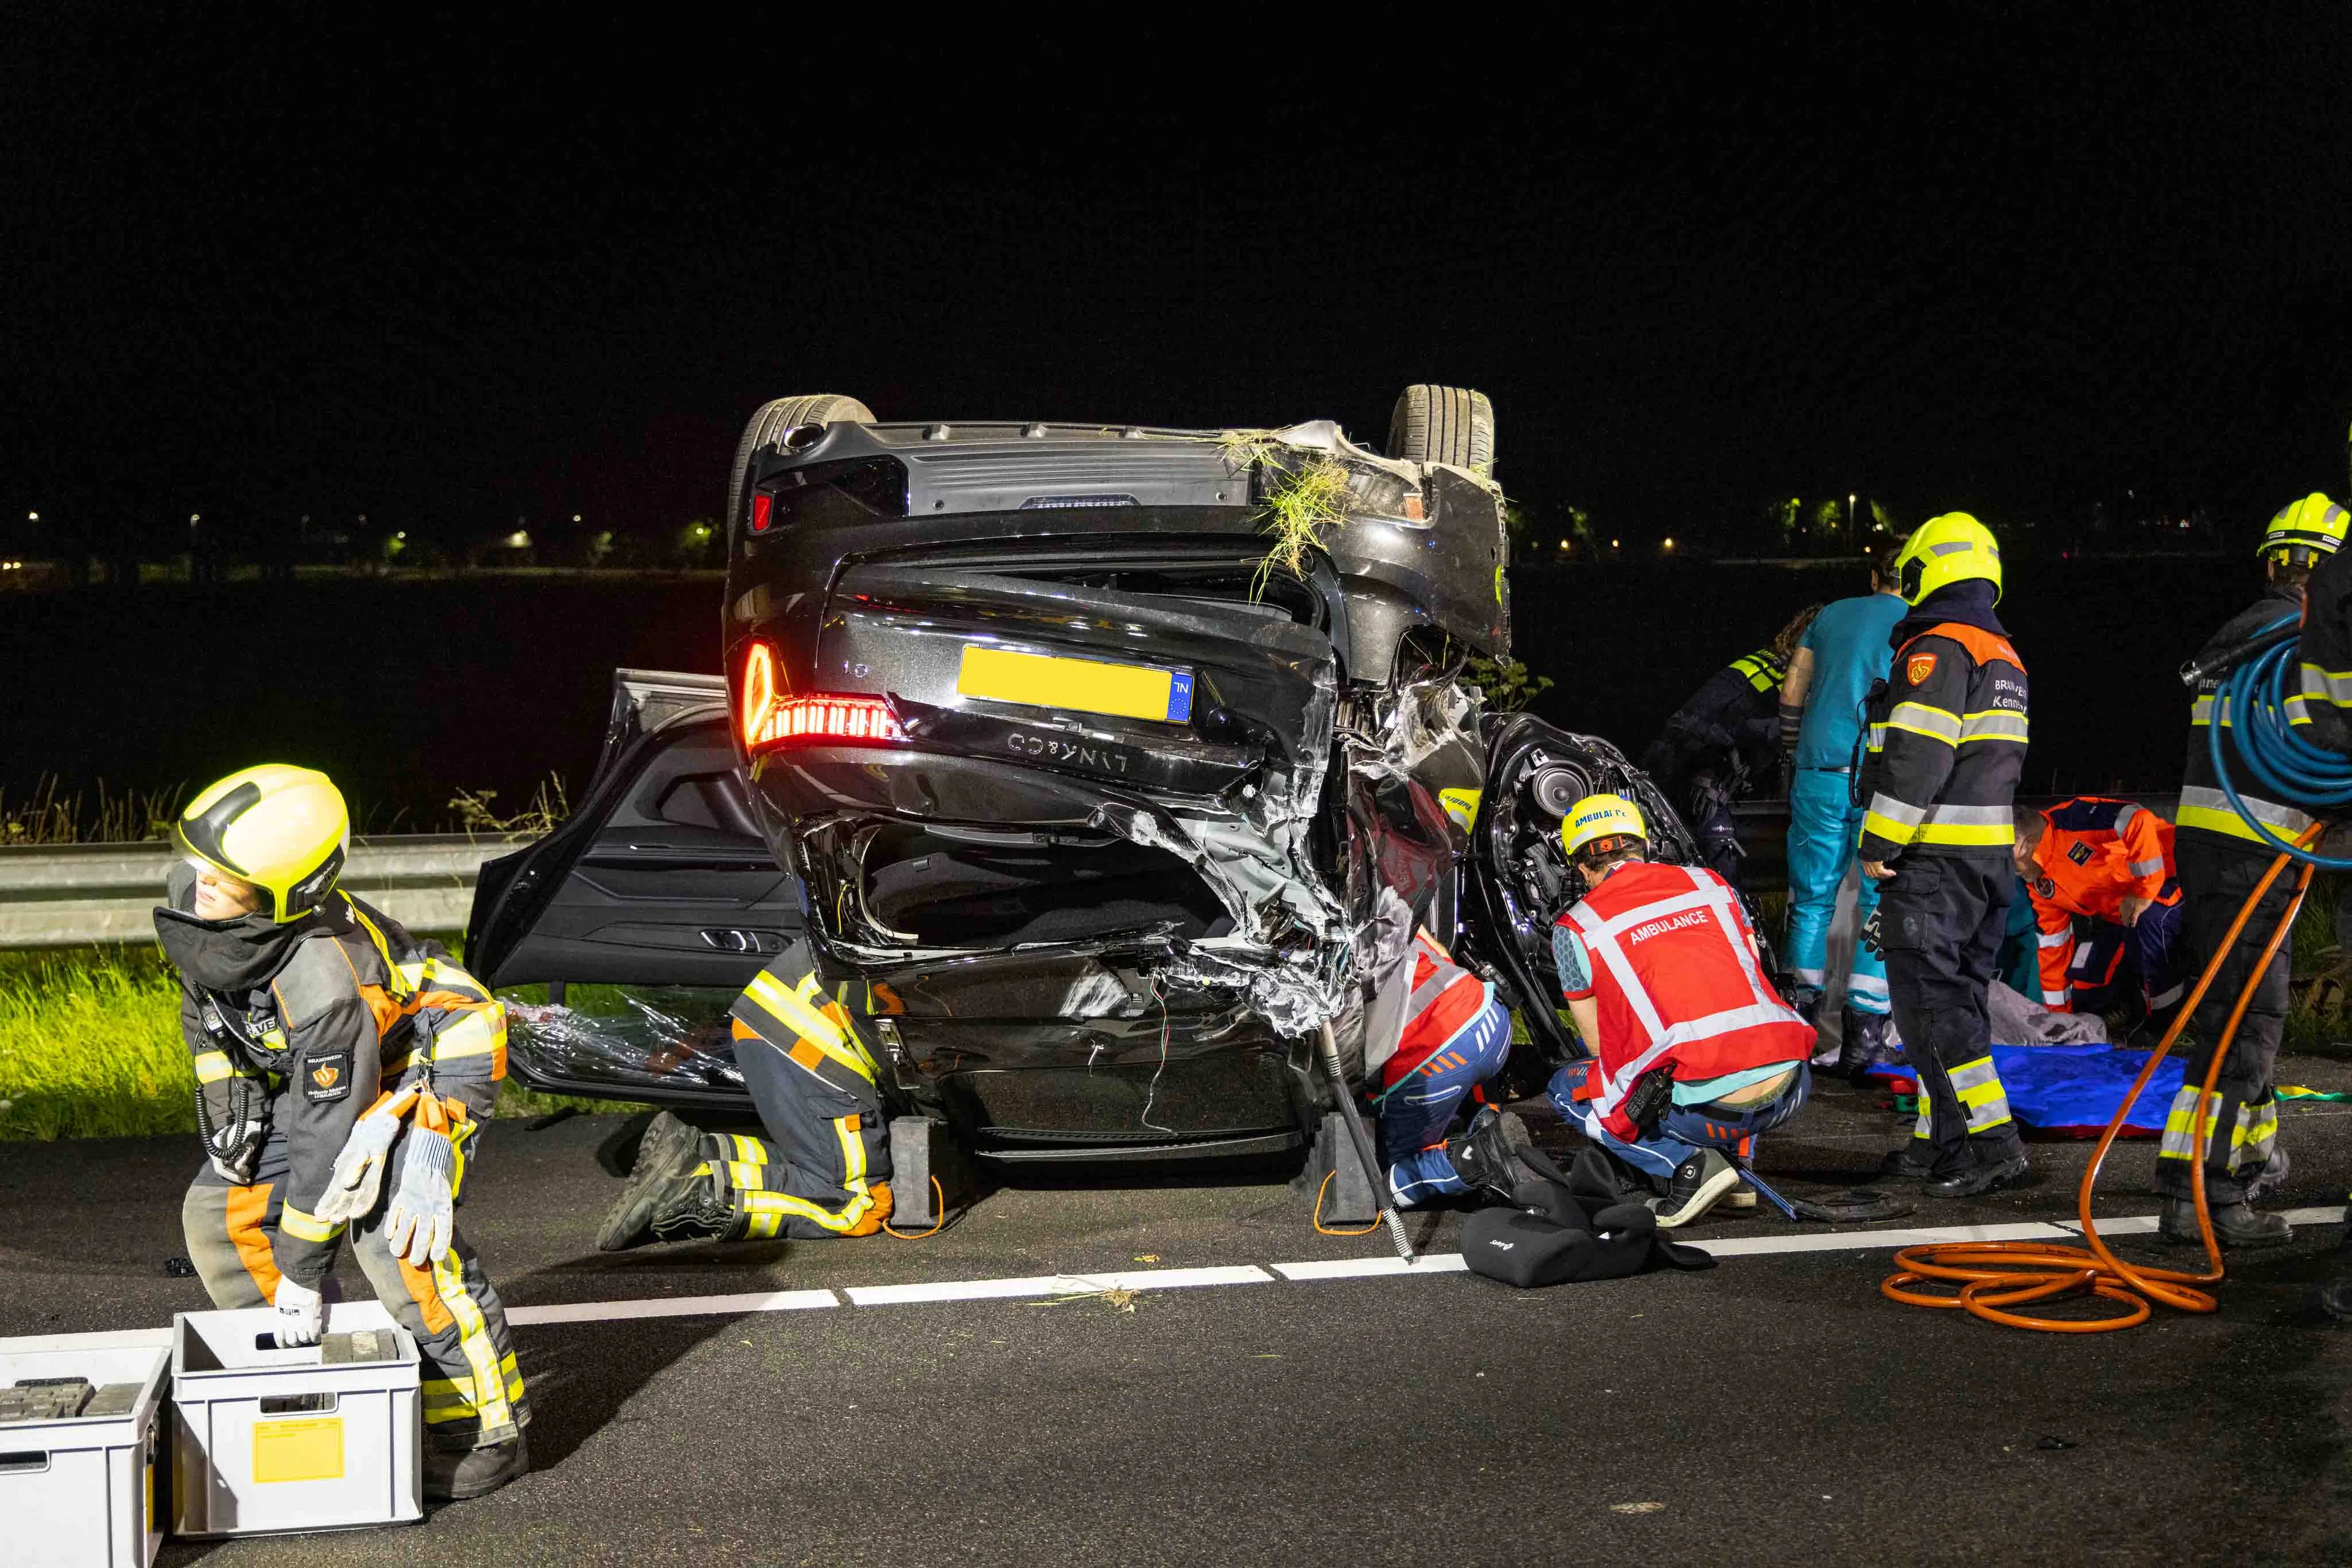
pixel 301 1314
pixel 421 1217
pixel 358 1176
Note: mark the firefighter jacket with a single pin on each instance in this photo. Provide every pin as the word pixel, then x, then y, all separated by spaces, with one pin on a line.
pixel 2325 661
pixel 322 1013
pixel 2204 808
pixel 1946 734
pixel 1670 964
pixel 2095 854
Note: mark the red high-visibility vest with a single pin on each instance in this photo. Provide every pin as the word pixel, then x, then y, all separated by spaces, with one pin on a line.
pixel 1674 978
pixel 1447 1000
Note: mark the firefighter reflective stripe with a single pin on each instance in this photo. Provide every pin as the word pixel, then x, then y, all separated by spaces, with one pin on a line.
pixel 2201 713
pixel 1892 818
pixel 2251 1136
pixel 1993 724
pixel 825 1046
pixel 2210 810
pixel 1877 736
pixel 2145 868
pixel 212 1065
pixel 1982 1096
pixel 2333 687
pixel 2251 1140
pixel 401 987
pixel 748 1175
pixel 1921 720
pixel 474 1340
pixel 304 1227
pixel 458 1398
pixel 747 1150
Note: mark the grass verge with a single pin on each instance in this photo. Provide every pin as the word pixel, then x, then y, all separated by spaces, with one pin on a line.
pixel 90 1047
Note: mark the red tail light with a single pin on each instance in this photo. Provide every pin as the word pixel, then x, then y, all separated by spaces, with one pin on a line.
pixel 770 719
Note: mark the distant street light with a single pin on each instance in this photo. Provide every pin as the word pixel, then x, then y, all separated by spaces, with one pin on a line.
pixel 1849 514
pixel 576 517
pixel 1670 541
pixel 32 516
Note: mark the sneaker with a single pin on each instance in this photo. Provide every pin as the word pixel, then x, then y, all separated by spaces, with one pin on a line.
pixel 2235 1225
pixel 454 1475
pixel 670 1149
pixel 1698 1182
pixel 1979 1179
pixel 1486 1156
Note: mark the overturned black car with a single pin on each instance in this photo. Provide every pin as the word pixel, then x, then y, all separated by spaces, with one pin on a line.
pixel 1087 750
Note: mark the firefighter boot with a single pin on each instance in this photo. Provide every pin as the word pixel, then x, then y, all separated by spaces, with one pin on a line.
pixel 1862 1046
pixel 698 1206
pixel 452 1475
pixel 2235 1225
pixel 1486 1156
pixel 1985 1173
pixel 669 1150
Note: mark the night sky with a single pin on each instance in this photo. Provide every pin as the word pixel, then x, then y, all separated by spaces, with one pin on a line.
pixel 2019 259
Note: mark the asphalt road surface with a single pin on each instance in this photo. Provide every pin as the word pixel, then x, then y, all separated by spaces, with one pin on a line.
pixel 1259 1399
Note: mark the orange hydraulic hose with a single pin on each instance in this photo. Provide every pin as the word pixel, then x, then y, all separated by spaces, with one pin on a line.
pixel 1997 1275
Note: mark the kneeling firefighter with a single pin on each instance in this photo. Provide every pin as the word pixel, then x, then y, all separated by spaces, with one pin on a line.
pixel 1695 1053
pixel 1946 744
pixel 2222 858
pixel 823 1168
pixel 331 1047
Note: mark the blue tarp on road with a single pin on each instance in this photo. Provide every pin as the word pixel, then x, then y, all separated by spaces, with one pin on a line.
pixel 2073 1089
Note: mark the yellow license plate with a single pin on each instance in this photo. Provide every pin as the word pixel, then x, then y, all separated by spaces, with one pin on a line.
pixel 1080 685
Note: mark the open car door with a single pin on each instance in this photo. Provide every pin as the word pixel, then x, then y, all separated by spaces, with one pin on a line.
pixel 1520 878
pixel 644 915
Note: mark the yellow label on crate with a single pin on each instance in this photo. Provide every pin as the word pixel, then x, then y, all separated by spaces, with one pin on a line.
pixel 1085 685
pixel 299 1450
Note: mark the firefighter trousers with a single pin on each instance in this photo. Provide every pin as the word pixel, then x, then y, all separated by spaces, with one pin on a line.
pixel 823 1168
pixel 1941 921
pixel 472 1393
pixel 2216 876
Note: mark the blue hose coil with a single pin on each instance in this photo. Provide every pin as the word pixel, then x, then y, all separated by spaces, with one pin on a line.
pixel 2287 766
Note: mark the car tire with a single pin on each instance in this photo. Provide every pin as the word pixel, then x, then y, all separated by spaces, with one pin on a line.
pixel 1444 424
pixel 773 419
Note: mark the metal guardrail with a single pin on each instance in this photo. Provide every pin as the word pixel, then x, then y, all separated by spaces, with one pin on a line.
pixel 75 895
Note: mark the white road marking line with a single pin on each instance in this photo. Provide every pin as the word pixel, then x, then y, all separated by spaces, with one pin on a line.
pixel 1870 1241
pixel 1052 1285
pixel 1055 1285
pixel 1369 1267
pixel 674 1307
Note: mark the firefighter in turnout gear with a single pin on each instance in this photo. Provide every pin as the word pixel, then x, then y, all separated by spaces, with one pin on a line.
pixel 2219 860
pixel 1694 1053
pixel 823 1168
pixel 1946 742
pixel 336 1055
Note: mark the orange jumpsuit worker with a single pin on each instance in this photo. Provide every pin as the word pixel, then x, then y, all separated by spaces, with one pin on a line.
pixel 2108 863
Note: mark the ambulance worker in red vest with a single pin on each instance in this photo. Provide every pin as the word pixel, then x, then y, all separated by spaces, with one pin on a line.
pixel 1457 1035
pixel 1695 1053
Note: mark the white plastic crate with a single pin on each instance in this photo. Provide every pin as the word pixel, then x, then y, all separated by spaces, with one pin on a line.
pixel 82 1491
pixel 270 1439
